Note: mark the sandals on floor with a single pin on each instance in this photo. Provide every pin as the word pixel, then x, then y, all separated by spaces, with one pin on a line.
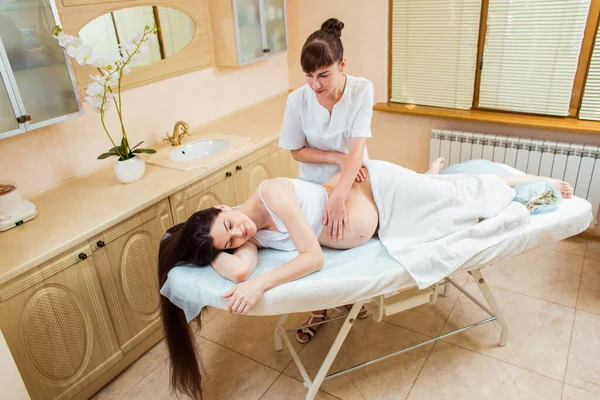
pixel 305 335
pixel 362 314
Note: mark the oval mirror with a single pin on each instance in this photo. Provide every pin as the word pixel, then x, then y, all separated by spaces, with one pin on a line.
pixel 105 33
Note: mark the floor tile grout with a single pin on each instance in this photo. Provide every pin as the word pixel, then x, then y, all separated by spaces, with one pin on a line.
pixel 572 330
pixel 270 386
pixel 537 298
pixel 432 347
pixel 507 362
pixel 144 377
pixel 503 361
pixel 243 355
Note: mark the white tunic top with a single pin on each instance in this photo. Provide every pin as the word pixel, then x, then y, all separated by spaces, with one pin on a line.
pixel 311 198
pixel 307 123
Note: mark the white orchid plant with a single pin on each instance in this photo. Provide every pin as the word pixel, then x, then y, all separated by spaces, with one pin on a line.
pixel 105 90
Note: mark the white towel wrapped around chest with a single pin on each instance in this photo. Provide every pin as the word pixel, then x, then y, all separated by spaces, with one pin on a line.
pixel 432 224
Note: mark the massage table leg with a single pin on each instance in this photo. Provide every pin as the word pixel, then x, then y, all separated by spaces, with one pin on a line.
pixel 489 297
pixel 446 291
pixel 350 318
pixel 278 340
pixel 333 351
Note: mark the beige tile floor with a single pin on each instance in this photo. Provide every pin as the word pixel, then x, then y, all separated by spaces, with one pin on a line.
pixel 550 297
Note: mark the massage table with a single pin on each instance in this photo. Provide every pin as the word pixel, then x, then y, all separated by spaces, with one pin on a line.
pixel 368 276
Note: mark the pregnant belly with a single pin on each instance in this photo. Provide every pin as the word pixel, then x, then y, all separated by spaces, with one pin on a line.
pixel 362 217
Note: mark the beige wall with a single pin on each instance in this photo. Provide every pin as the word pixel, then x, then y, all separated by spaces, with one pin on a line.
pixel 364 36
pixel 400 138
pixel 44 157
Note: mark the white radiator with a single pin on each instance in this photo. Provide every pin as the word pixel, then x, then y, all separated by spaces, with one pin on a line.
pixel 577 164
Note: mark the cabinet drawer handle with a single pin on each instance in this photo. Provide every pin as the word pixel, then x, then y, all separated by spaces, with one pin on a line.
pixel 100 243
pixel 227 174
pixel 238 167
pixel 266 51
pixel 82 256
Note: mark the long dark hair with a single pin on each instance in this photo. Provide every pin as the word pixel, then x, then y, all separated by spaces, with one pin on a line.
pixel 188 242
pixel 323 47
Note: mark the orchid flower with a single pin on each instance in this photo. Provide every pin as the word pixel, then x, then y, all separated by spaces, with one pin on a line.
pixel 105 88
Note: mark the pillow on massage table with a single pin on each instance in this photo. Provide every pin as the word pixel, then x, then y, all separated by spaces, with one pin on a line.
pixel 480 167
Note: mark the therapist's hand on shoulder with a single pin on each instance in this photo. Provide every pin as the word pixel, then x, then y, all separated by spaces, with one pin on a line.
pixel 335 217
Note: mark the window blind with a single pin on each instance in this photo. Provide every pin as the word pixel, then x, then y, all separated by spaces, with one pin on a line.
pixel 178 29
pixel 590 103
pixel 434 52
pixel 530 55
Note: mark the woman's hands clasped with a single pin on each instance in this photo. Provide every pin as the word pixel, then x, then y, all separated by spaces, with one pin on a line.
pixel 243 296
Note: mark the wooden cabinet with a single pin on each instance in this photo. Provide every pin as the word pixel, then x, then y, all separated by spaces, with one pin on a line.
pixel 57 326
pixel 214 189
pixel 246 31
pixel 76 321
pixel 234 184
pixel 126 259
pixel 271 162
pixel 249 178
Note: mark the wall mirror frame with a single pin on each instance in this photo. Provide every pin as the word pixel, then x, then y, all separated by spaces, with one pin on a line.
pixel 75 14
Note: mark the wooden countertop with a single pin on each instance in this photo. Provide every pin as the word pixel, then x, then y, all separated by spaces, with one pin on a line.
pixel 80 208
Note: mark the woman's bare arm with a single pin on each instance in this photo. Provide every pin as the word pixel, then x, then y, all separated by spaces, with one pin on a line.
pixel 238 266
pixel 279 196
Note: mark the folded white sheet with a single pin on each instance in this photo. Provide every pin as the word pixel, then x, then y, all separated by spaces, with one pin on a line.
pixel 359 273
pixel 432 224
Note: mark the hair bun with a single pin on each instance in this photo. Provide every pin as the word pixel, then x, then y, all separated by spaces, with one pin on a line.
pixel 333 25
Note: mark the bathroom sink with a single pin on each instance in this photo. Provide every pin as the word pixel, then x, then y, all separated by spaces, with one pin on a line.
pixel 203 151
pixel 198 150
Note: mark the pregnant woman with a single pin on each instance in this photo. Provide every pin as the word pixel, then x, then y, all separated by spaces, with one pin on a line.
pixel 284 214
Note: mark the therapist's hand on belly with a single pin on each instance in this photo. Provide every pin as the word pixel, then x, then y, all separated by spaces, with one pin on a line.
pixel 340 160
pixel 335 217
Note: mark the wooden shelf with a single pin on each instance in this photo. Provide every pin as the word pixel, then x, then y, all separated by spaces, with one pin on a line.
pixel 530 121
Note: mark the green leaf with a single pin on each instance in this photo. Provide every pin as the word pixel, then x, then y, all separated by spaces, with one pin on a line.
pixel 124 145
pixel 106 155
pixel 147 151
pixel 134 147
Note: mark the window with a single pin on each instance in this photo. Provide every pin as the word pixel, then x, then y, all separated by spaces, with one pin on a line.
pixel 434 51
pixel 530 55
pixel 523 56
pixel 590 105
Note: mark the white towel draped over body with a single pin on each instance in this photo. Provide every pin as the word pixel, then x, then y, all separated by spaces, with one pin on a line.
pixel 432 224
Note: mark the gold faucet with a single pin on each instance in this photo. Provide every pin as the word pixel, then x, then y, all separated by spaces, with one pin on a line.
pixel 175 139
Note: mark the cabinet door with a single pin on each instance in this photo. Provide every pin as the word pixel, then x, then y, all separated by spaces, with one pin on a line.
pixel 126 258
pixel 213 190
pixel 38 73
pixel 281 163
pixel 249 178
pixel 8 109
pixel 275 26
pixel 57 326
pixel 248 30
